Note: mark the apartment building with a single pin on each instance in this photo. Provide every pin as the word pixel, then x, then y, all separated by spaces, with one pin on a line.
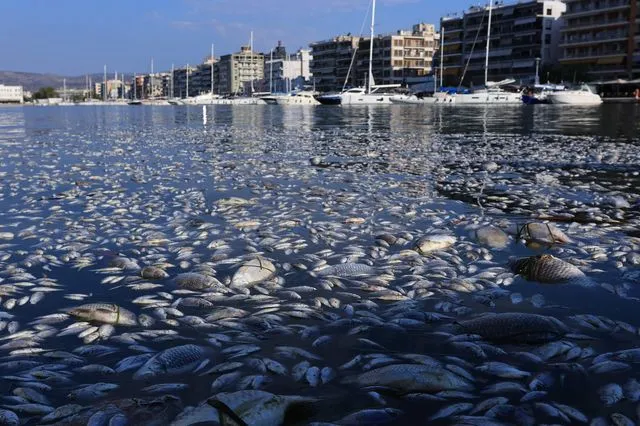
pixel 183 82
pixel 11 94
pixel 331 62
pixel 237 71
pixel 524 35
pixel 288 72
pixel 602 38
pixel 402 58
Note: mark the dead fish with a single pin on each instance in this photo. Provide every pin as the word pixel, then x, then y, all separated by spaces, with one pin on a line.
pixel 610 394
pixel 256 408
pixel 177 360
pixel 153 273
pixel 8 418
pixel 253 272
pixel 371 416
pixel 542 233
pixel 347 270
pixel 515 327
pixel 431 243
pixel 195 281
pixel 491 236
pixel 547 269
pixel 406 378
pixel 104 312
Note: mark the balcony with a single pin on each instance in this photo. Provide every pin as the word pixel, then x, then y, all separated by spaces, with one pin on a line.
pixel 592 55
pixel 594 40
pixel 611 7
pixel 601 23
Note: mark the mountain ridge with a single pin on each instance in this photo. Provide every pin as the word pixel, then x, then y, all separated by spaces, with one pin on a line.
pixel 32 81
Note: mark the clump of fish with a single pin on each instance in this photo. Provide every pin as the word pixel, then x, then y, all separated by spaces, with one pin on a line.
pixel 156 272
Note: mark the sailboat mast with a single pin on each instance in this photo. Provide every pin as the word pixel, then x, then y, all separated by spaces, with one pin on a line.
pixel 251 60
pixel 373 20
pixel 212 61
pixel 441 54
pixel 104 89
pixel 187 81
pixel 151 80
pixel 486 61
pixel 64 89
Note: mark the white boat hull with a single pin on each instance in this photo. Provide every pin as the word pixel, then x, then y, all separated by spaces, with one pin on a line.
pixel 368 99
pixel 574 98
pixel 487 98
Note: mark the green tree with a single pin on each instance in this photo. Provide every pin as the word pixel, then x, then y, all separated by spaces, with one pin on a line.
pixel 45 93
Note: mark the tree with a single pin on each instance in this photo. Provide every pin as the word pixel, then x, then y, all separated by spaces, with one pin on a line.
pixel 45 93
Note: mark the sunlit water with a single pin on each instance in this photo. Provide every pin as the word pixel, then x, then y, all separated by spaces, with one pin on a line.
pixel 97 182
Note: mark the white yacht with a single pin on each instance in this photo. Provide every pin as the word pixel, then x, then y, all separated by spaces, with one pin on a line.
pixel 303 97
pixel 374 95
pixel 582 96
pixel 437 98
pixel 492 93
pixel 369 95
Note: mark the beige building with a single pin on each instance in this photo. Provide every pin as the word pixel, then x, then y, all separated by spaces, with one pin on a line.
pixel 402 58
pixel 11 94
pixel 331 61
pixel 237 71
pixel 602 37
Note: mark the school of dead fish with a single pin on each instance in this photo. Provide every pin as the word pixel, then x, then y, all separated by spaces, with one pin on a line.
pixel 156 277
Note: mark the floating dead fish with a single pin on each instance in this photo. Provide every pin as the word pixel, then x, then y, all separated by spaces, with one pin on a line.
pixel 406 378
pixel 173 361
pixel 253 272
pixel 194 281
pixel 515 327
pixel 548 269
pixel 541 233
pixel 255 407
pixel 153 273
pixel 104 312
pixel 347 270
pixel 431 243
pixel 491 236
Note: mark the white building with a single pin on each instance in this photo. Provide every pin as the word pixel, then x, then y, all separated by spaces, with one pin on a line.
pixel 282 75
pixel 13 94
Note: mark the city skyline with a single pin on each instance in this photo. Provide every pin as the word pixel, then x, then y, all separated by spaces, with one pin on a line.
pixel 73 37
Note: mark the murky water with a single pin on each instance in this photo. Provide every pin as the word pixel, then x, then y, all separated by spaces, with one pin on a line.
pixel 86 188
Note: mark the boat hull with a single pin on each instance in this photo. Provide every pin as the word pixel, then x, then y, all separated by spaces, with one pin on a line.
pixel 575 99
pixel 329 99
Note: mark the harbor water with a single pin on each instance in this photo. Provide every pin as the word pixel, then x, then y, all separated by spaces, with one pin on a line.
pixel 270 265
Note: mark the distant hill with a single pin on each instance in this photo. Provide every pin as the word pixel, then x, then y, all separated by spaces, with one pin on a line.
pixel 34 81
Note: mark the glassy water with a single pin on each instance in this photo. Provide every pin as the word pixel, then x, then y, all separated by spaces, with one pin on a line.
pixel 426 209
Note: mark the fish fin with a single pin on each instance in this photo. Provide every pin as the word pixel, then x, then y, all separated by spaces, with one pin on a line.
pixel 225 411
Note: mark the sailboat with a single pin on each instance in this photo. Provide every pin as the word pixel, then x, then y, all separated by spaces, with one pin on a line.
pixel 371 94
pixel 492 93
pixel 65 100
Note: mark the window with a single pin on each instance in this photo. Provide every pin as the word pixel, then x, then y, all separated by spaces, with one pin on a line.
pixel 547 39
pixel 549 12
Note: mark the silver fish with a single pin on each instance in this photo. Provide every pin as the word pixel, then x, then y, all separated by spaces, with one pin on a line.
pixel 172 361
pixel 548 269
pixel 104 312
pixel 515 327
pixel 411 378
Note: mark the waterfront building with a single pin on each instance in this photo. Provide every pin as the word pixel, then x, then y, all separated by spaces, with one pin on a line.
pixel 405 57
pixel 289 72
pixel 331 62
pixel 11 94
pixel 155 85
pixel 180 82
pixel 524 37
pixel 602 38
pixel 238 71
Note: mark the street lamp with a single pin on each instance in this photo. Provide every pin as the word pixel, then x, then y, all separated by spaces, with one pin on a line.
pixel 537 68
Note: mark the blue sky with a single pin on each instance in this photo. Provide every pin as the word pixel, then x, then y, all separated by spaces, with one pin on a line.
pixel 74 37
